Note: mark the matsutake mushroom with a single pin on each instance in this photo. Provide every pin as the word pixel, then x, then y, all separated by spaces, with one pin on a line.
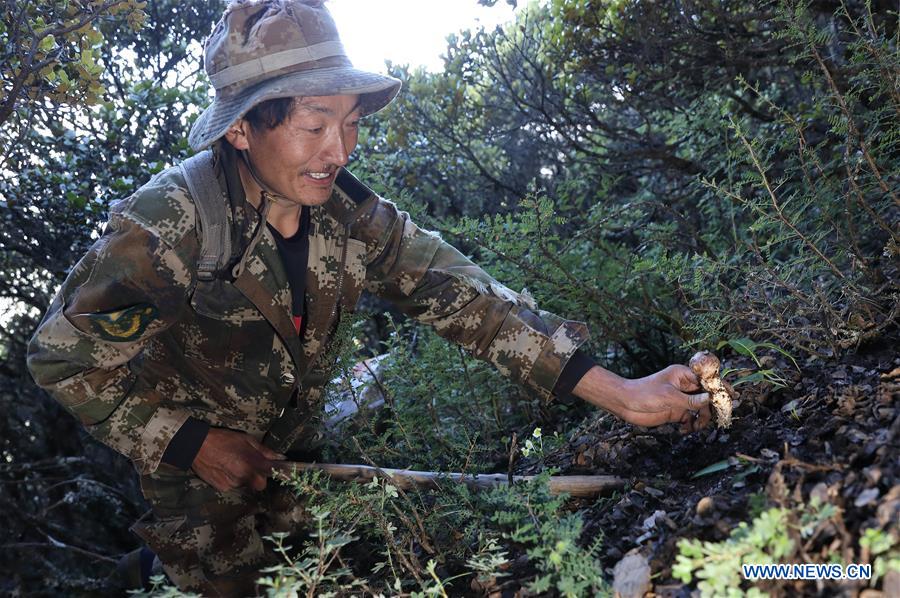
pixel 706 366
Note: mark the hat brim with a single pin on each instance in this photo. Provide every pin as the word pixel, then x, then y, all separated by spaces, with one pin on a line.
pixel 376 91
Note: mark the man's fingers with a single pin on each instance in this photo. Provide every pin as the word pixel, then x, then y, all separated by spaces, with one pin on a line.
pixel 220 485
pixel 695 402
pixel 230 460
pixel 223 482
pixel 687 422
pixel 704 419
pixel 689 382
pixel 696 415
pixel 692 421
pixel 258 483
pixel 272 455
pixel 257 465
pixel 266 451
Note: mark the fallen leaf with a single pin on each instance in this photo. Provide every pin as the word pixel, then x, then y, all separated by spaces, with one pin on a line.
pixel 894 373
pixel 631 576
pixel 715 467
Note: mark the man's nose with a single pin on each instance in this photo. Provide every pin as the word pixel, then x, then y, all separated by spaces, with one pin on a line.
pixel 334 150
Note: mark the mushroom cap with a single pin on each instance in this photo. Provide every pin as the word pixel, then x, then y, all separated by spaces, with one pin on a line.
pixel 705 365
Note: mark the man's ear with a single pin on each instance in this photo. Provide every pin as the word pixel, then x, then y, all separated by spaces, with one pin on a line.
pixel 236 134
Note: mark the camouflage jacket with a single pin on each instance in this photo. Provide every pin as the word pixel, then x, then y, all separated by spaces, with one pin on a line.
pixel 133 344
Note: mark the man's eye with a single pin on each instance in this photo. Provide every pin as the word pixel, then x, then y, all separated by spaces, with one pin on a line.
pixel 314 130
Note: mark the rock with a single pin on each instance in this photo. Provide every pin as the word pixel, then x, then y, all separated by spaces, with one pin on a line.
pixel 654 492
pixel 651 521
pixel 631 576
pixel 866 497
pixel 672 591
pixel 769 454
pixel 891 583
pixel 487 587
pixel 873 475
pixel 705 506
pixel 889 510
pixel 820 492
pixel 670 523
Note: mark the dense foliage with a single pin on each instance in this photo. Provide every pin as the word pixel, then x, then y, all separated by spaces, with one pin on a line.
pixel 676 174
pixel 64 155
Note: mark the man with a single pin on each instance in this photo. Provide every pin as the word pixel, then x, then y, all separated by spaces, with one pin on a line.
pixel 206 379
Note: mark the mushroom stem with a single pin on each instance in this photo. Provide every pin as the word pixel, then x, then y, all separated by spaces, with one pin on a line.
pixel 706 366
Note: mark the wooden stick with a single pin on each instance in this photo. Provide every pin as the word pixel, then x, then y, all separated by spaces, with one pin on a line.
pixel 582 486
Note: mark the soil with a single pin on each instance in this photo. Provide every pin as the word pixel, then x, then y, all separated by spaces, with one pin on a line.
pixel 832 433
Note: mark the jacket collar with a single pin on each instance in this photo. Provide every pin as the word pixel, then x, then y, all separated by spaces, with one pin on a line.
pixel 264 281
pixel 349 197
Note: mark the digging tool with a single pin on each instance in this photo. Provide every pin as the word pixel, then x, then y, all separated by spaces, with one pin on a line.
pixel 581 486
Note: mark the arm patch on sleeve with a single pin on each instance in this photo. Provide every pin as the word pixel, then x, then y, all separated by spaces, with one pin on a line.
pixel 122 325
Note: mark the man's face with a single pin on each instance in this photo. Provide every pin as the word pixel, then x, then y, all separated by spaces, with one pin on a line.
pixel 300 157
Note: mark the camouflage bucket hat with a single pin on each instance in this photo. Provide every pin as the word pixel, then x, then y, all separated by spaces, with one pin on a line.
pixel 266 49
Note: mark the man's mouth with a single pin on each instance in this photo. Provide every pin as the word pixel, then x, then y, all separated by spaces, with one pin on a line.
pixel 323 180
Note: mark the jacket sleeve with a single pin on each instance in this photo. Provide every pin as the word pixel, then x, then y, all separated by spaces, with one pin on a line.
pixel 433 282
pixel 127 289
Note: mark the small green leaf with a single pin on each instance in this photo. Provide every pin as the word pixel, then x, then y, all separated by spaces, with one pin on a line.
pixel 754 377
pixel 742 346
pixel 47 44
pixel 715 467
pixel 94 37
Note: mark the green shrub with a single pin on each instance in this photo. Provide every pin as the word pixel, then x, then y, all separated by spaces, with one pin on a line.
pixel 373 537
pixel 771 538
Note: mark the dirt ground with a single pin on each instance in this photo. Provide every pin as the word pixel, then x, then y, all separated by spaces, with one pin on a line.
pixel 832 433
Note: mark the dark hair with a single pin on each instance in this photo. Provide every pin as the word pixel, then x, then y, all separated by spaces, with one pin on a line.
pixel 269 114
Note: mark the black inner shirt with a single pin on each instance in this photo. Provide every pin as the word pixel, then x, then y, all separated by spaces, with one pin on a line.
pixel 295 257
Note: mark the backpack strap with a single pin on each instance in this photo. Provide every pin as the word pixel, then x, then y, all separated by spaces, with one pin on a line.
pixel 210 202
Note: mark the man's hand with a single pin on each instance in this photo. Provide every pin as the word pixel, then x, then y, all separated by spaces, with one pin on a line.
pixel 229 460
pixel 668 396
